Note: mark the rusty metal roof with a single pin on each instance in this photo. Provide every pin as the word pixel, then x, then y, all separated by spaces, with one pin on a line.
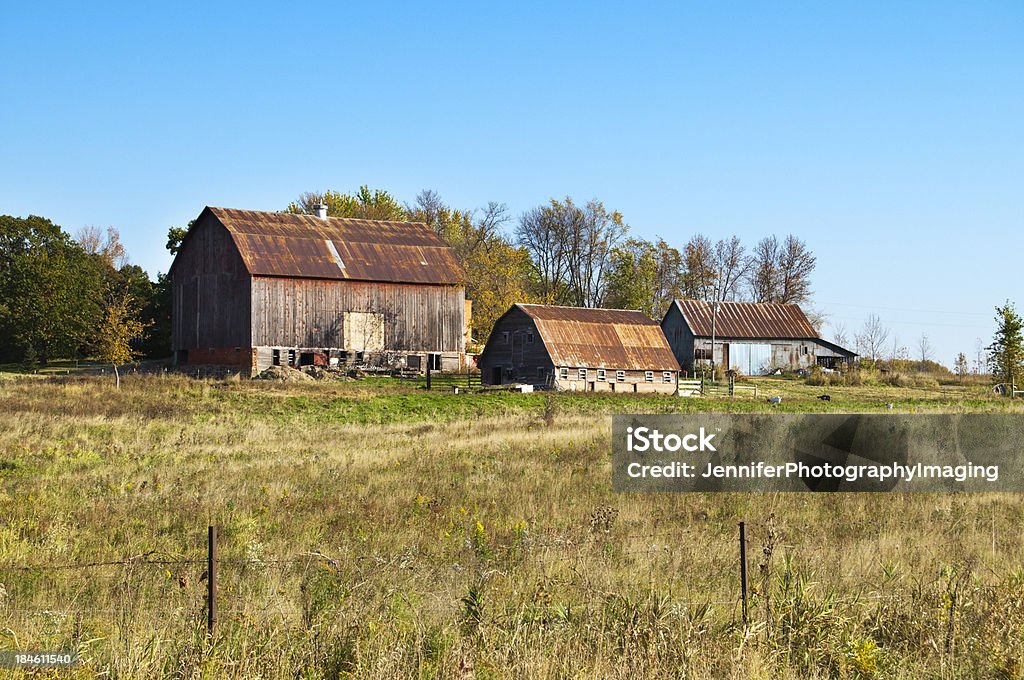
pixel 602 338
pixel 746 320
pixel 306 246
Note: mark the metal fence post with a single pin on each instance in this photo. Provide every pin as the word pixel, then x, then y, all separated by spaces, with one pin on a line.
pixel 211 581
pixel 743 570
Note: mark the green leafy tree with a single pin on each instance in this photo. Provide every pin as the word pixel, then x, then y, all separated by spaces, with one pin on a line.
pixel 364 204
pixel 50 290
pixel 175 235
pixel 118 331
pixel 156 314
pixel 644 276
pixel 1006 353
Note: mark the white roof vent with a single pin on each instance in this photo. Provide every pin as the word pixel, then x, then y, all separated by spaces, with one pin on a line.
pixel 321 210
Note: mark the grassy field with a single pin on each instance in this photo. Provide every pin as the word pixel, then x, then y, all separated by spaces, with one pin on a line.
pixel 381 531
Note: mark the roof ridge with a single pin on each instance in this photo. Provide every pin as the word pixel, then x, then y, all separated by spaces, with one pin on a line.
pixel 329 217
pixel 602 309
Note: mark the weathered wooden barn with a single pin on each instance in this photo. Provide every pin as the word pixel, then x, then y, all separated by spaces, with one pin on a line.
pixel 572 348
pixel 256 289
pixel 750 337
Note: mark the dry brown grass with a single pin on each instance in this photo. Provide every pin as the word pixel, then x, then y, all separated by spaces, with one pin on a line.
pixel 383 532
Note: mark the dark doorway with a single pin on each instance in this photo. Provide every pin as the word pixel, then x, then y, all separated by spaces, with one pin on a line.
pixel 496 375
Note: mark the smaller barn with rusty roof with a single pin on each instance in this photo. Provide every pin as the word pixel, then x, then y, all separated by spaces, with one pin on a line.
pixel 574 348
pixel 754 338
pixel 254 289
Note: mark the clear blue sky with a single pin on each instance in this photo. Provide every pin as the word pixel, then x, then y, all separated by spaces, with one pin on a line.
pixel 889 136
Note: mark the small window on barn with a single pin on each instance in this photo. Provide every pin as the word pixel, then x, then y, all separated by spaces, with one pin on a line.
pixel 582 374
pixel 529 337
pixel 702 355
pixel 620 376
pixel 563 373
pixel 648 376
pixel 805 349
pixel 291 357
pixel 601 375
pixel 666 376
pixel 504 337
pixel 276 357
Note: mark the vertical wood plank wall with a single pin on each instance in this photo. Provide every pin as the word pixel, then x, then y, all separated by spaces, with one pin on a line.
pixel 210 288
pixel 292 312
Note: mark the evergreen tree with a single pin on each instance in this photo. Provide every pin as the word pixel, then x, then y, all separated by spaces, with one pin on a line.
pixel 1006 353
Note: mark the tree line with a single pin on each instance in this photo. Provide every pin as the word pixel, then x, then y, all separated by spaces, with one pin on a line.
pixel 64 298
pixel 68 297
pixel 582 255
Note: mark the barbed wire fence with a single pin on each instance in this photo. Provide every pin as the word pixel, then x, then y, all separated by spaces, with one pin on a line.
pixel 183 573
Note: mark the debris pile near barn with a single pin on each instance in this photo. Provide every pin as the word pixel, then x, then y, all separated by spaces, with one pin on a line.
pixel 285 374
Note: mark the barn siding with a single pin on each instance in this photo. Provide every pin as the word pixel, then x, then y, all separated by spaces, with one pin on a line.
pixel 679 337
pixel 519 360
pixel 788 354
pixel 210 288
pixel 289 312
pixel 522 362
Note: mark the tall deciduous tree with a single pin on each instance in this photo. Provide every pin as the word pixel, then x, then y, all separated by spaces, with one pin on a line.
pixel 961 367
pixel 731 267
pixel 644 276
pixel 104 243
pixel 540 233
pixel 50 290
pixel 872 338
pixel 924 348
pixel 496 270
pixel 571 249
pixel 700 275
pixel 839 334
pixel 796 263
pixel 781 272
pixel 765 278
pixel 1006 353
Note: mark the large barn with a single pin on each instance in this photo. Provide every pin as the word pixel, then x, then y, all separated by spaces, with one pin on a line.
pixel 753 338
pixel 255 289
pixel 573 348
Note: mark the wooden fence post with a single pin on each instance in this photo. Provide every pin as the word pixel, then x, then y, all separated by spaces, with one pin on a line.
pixel 428 372
pixel 743 570
pixel 211 581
